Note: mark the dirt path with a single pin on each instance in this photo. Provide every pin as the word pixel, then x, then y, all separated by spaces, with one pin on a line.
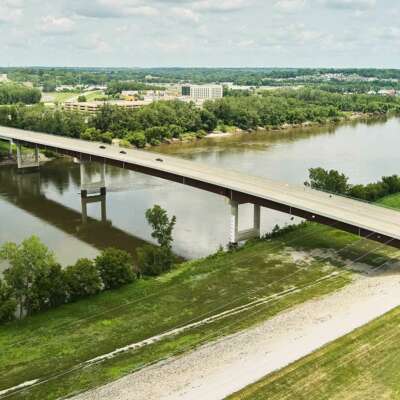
pixel 223 367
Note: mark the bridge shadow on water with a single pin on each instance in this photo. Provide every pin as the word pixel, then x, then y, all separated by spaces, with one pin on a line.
pixel 25 192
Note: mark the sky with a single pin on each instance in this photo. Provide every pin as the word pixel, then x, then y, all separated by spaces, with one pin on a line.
pixel 200 33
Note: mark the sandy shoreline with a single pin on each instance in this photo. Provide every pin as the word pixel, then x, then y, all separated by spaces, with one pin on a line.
pixel 218 369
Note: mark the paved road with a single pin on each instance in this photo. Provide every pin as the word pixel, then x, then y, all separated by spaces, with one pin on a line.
pixel 372 218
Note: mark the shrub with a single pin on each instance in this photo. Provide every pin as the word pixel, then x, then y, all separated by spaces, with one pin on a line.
pixel 106 137
pixel 124 143
pixel 82 99
pixel 115 267
pixel 200 134
pixel 137 138
pixel 83 279
pixel 50 288
pixel 8 303
pixel 91 134
pixel 154 261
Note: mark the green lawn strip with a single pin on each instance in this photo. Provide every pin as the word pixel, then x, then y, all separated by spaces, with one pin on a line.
pixel 60 339
pixel 90 96
pixel 364 364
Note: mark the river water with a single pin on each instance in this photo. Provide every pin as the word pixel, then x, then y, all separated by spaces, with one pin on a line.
pixel 48 203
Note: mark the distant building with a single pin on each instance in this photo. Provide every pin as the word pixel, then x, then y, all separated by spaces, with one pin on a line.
pixel 203 92
pixel 93 106
pixel 3 77
pixel 387 92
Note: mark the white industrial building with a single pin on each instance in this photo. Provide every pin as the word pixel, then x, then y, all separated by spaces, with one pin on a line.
pixel 203 92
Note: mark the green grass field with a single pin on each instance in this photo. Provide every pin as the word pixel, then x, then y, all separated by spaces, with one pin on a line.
pixel 364 365
pixel 51 346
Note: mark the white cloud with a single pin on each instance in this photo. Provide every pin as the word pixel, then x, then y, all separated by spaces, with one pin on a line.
pixel 185 14
pixel 350 4
pixel 113 8
pixel 220 5
pixel 52 25
pixel 289 6
pixel 9 15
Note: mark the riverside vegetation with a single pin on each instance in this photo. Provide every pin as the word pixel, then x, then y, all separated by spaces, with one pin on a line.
pixel 168 120
pixel 35 282
pixel 268 268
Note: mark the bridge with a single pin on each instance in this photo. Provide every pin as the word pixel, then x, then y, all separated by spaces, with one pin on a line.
pixel 363 219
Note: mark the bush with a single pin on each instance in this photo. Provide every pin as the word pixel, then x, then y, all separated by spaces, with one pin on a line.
pixel 155 135
pixel 106 137
pixel 115 267
pixel 125 144
pixel 154 261
pixel 8 303
pixel 82 99
pixel 200 134
pixel 91 134
pixel 50 288
pixel 83 279
pixel 137 138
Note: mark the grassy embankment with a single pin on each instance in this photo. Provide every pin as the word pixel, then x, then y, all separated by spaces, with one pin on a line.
pixel 51 345
pixel 364 364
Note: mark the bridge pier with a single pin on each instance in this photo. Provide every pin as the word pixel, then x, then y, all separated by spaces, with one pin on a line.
pixel 88 186
pixel 24 163
pixel 237 235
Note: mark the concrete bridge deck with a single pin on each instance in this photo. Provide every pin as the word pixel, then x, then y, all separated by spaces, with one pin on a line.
pixel 366 220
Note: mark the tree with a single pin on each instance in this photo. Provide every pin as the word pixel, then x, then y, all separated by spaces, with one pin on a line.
pixel 8 303
pixel 82 99
pixel 29 260
pixel 155 260
pixel 83 279
pixel 162 225
pixel 115 267
pixel 331 181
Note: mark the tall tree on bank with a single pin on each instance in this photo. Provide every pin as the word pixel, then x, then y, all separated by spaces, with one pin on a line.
pixel 155 260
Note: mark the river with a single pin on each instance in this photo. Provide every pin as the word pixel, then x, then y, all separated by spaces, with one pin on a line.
pixel 48 204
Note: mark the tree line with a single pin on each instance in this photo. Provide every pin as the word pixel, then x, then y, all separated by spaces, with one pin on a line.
pixel 165 120
pixel 13 94
pixel 241 76
pixel 336 182
pixel 35 282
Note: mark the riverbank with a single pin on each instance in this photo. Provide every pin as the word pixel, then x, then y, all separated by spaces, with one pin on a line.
pixel 247 286
pixel 347 118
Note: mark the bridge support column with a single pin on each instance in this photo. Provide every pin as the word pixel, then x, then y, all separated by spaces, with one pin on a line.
pixel 89 187
pixel 26 162
pixel 237 235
